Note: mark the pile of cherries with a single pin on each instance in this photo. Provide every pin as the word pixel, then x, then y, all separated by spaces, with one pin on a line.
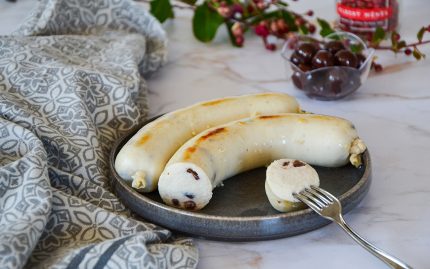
pixel 328 83
pixel 310 56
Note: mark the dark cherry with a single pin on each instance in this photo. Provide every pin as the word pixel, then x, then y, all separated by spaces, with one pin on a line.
pixel 341 81
pixel 305 67
pixel 296 77
pixel 322 58
pixel 306 51
pixel 295 59
pixel 335 80
pixel 361 59
pixel 334 46
pixel 346 58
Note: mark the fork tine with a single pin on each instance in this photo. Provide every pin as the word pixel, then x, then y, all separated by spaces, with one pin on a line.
pixel 326 194
pixel 319 196
pixel 311 197
pixel 308 202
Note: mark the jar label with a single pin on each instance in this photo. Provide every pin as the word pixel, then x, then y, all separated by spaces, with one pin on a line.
pixel 360 14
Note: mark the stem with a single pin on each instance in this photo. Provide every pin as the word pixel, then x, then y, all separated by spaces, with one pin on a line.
pixel 263 16
pixel 407 46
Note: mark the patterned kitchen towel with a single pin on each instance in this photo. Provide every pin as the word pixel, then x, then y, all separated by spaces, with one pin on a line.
pixel 70 85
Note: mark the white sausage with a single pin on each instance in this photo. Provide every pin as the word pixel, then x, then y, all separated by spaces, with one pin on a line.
pixel 221 152
pixel 145 155
pixel 285 177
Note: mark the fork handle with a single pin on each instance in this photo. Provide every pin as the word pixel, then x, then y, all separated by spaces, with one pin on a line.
pixel 393 262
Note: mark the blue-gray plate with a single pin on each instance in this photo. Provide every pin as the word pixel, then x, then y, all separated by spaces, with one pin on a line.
pixel 240 210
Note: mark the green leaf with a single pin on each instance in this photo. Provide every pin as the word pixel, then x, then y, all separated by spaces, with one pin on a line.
pixel 189 2
pixel 304 30
pixel 394 37
pixel 378 35
pixel 265 16
pixel 289 20
pixel 401 44
pixel 282 4
pixel 325 27
pixel 418 54
pixel 356 48
pixel 420 34
pixel 394 42
pixel 206 22
pixel 161 9
pixel 230 33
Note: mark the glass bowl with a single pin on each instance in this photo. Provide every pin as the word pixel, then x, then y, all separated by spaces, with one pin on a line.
pixel 333 82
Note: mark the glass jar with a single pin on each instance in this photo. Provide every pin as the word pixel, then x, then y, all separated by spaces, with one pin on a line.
pixel 364 16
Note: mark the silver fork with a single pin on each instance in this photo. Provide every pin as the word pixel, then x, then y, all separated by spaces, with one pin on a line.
pixel 329 207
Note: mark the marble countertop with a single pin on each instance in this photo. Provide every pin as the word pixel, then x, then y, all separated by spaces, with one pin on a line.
pixel 391 112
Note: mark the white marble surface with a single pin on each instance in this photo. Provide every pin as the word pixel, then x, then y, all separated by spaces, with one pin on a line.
pixel 391 112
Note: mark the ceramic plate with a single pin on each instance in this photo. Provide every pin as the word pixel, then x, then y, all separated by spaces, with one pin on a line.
pixel 239 210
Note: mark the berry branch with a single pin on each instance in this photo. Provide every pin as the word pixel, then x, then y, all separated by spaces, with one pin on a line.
pixel 274 20
pixel 395 43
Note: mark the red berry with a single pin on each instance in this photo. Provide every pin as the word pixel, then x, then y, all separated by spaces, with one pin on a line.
pixel 274 27
pixel 224 11
pixel 237 29
pixel 312 28
pixel 377 67
pixel 271 46
pixel 237 8
pixel 239 41
pixel 261 30
pixel 282 26
pixel 310 13
pixel 261 5
pixel 250 9
pixel 299 21
pixel 396 36
pixel 408 51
